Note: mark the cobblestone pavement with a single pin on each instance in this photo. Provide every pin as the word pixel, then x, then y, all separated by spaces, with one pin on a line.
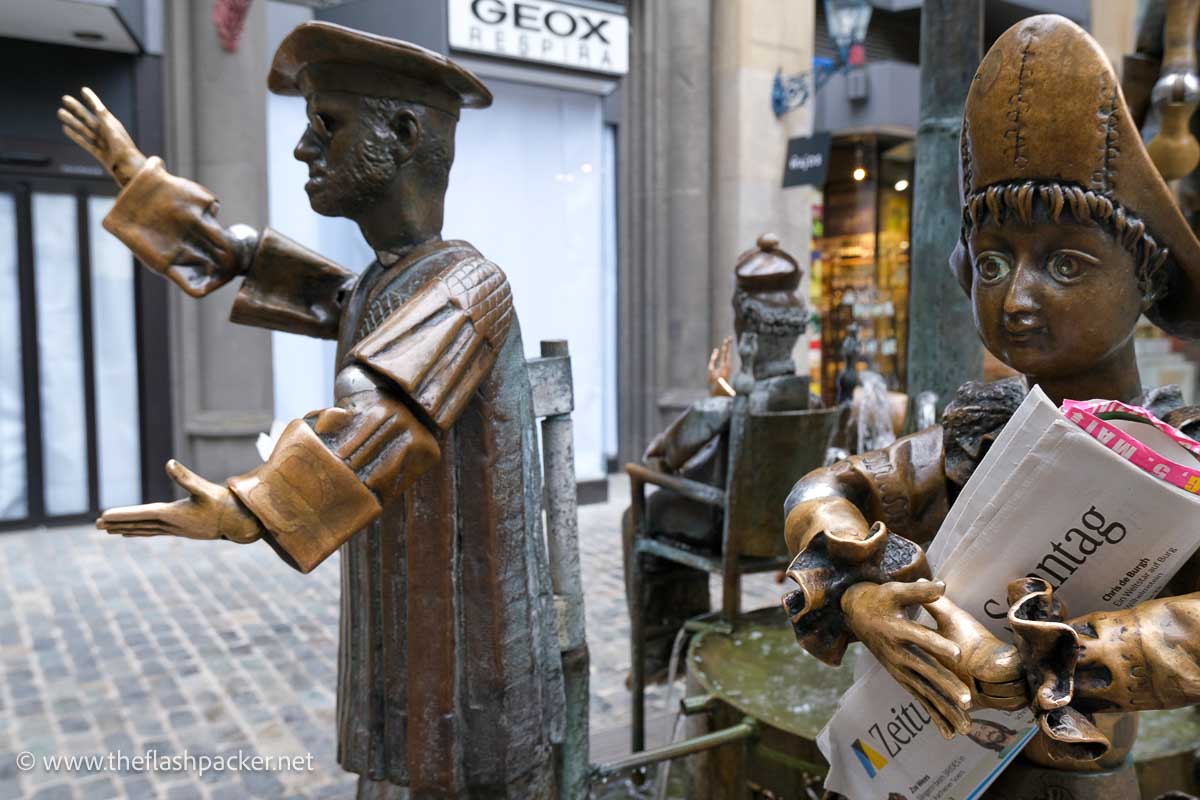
pixel 162 647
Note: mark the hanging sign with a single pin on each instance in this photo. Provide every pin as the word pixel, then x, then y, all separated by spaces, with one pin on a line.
pixel 807 160
pixel 561 34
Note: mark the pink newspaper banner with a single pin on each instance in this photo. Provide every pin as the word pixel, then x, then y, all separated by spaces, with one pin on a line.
pixel 1090 415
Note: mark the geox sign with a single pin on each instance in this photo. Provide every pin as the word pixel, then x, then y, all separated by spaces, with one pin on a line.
pixel 548 32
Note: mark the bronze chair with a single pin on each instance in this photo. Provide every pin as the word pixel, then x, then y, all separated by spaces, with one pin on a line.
pixel 768 453
pixel 553 402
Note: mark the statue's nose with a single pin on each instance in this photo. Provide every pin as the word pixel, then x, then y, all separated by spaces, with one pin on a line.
pixel 1021 301
pixel 307 149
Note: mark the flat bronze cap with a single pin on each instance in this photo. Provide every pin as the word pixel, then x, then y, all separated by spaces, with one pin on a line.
pixel 1046 105
pixel 767 267
pixel 321 56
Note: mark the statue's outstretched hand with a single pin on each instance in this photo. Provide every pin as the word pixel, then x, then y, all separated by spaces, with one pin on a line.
pixel 94 128
pixel 176 233
pixel 990 666
pixel 720 369
pixel 919 658
pixel 209 512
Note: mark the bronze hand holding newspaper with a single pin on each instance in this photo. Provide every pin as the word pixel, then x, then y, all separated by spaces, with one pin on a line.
pixel 855 586
pixel 918 658
pixel 952 670
pixel 990 667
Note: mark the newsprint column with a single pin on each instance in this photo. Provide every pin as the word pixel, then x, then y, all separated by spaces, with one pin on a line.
pixel 217 136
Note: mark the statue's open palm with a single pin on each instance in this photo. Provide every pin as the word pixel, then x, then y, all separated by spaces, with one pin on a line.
pixel 94 128
pixel 209 512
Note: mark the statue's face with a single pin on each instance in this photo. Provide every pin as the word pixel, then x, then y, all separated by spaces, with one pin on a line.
pixel 350 150
pixel 1052 300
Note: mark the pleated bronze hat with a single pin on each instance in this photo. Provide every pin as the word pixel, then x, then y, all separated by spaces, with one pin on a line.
pixel 1046 106
pixel 319 56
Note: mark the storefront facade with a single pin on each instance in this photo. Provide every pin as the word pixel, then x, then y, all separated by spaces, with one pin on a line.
pixel 85 410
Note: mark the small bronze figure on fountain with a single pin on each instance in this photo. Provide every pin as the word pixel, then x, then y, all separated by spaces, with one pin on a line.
pixel 769 316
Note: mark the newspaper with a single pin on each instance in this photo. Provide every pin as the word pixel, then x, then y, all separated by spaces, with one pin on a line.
pixel 1050 500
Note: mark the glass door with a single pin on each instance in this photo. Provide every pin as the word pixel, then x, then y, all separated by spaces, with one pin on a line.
pixel 14 487
pixel 69 401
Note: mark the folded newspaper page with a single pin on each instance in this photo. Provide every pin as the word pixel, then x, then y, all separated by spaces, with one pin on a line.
pixel 1056 498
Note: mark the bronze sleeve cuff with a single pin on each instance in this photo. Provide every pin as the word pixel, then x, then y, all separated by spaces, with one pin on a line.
pixel 375 434
pixel 1049 650
pixel 306 498
pixel 155 213
pixel 1142 658
pixel 1138 659
pixel 290 288
pixel 830 563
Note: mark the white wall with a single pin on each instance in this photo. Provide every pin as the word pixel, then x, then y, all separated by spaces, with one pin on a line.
pixel 527 189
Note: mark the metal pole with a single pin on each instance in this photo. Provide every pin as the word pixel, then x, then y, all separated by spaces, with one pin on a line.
pixel 943 347
pixel 745 729
pixel 562 543
pixel 637 632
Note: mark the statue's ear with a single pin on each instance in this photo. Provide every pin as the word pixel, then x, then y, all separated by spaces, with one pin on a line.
pixel 960 265
pixel 1152 290
pixel 407 127
pixel 1148 296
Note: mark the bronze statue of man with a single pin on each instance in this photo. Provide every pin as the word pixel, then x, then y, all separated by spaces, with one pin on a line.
pixel 1069 234
pixel 769 315
pixel 425 471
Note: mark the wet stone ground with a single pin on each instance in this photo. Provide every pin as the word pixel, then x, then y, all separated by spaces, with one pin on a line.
pixel 159 648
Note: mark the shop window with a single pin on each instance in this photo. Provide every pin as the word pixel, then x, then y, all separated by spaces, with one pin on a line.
pixel 860 266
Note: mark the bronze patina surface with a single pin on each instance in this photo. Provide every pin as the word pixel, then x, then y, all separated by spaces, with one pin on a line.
pixel 1069 234
pixel 769 316
pixel 424 471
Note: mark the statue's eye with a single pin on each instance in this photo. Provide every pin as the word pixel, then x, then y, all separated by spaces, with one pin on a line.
pixel 992 267
pixel 324 124
pixel 1068 266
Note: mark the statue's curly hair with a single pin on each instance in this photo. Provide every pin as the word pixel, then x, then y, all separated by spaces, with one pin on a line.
pixel 1045 201
pixel 769 318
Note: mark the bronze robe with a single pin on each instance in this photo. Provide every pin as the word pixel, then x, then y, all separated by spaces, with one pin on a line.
pixel 426 474
pixel 449 680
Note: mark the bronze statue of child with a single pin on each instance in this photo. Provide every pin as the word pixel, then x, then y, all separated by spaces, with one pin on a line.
pixel 1069 235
